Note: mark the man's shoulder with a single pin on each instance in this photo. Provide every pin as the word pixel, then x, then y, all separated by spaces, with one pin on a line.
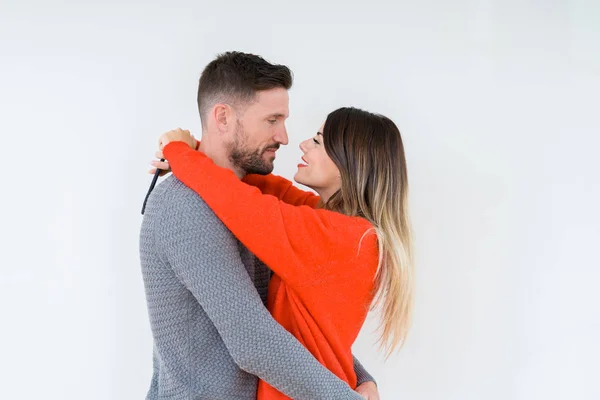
pixel 173 191
pixel 172 199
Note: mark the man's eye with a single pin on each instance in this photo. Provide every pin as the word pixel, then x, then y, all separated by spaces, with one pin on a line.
pixel 272 121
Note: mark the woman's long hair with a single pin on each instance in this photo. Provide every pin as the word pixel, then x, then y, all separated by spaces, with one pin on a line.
pixel 368 151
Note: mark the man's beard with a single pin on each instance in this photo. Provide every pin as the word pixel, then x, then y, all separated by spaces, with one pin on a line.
pixel 249 160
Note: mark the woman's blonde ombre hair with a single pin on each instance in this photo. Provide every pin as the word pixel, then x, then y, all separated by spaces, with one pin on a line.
pixel 368 151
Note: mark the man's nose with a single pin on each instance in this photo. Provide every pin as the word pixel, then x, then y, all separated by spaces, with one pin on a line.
pixel 282 136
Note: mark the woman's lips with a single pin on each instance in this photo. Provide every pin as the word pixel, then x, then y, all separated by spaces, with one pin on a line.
pixel 303 165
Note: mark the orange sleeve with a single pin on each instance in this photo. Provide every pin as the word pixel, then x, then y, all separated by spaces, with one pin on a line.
pixel 300 244
pixel 283 189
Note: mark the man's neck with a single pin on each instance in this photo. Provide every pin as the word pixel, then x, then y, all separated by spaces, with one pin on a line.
pixel 217 152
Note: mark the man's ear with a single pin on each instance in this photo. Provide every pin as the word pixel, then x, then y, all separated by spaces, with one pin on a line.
pixel 224 117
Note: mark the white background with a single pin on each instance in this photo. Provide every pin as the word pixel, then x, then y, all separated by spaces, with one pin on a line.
pixel 495 100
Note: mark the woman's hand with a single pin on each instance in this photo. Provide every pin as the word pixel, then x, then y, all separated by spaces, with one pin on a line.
pixel 175 135
pixel 157 164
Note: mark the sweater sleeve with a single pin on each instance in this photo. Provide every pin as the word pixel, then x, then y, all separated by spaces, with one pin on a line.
pixel 302 245
pixel 283 189
pixel 362 375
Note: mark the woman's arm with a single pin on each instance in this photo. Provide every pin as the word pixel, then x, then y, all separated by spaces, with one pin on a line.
pixel 302 245
pixel 283 189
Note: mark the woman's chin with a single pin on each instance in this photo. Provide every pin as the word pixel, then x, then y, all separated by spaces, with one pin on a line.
pixel 298 177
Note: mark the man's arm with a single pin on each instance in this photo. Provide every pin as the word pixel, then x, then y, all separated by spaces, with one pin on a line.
pixel 366 384
pixel 362 375
pixel 205 257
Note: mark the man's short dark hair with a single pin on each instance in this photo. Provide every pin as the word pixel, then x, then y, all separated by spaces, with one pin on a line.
pixel 235 77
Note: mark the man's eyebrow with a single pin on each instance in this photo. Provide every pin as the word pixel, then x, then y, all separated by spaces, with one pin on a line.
pixel 276 115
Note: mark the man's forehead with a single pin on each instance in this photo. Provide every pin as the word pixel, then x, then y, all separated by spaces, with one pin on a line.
pixel 273 102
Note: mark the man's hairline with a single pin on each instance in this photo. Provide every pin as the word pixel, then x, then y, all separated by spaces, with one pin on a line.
pixel 243 107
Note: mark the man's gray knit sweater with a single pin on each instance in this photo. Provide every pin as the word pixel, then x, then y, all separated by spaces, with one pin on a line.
pixel 206 292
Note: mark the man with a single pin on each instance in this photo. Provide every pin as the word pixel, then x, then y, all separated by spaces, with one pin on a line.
pixel 205 292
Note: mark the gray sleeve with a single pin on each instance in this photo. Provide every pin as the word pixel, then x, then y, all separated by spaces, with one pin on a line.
pixel 362 375
pixel 205 256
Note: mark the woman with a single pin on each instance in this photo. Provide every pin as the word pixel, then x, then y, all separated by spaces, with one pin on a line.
pixel 332 255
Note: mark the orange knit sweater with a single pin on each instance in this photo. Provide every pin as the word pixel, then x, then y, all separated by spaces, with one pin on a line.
pixel 324 263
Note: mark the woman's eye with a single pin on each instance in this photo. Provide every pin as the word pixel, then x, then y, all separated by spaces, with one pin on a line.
pixel 316 141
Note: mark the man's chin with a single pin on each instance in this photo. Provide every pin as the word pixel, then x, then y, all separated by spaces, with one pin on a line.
pixel 269 160
pixel 265 169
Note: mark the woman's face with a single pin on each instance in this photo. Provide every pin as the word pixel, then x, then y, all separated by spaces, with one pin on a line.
pixel 317 170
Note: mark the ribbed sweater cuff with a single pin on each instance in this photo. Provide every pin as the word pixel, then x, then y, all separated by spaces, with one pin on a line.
pixel 363 376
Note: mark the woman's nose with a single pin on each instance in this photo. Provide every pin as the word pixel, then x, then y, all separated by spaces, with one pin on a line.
pixel 303 146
